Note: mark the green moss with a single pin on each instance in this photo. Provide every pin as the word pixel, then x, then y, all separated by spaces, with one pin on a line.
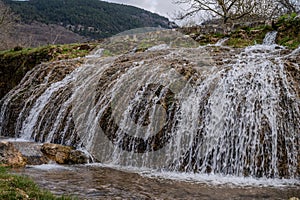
pixel 143 46
pixel 219 35
pixel 107 53
pixel 68 51
pixel 21 187
pixel 287 18
pixel 239 42
pixel 288 27
pixel 289 42
pixel 288 31
pixel 246 36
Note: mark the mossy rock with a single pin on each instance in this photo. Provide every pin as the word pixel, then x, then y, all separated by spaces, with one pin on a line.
pixel 15 63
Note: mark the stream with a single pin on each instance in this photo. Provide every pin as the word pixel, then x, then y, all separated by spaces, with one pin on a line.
pixel 97 181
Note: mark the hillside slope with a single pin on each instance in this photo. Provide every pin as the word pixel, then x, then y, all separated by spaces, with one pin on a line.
pixel 90 18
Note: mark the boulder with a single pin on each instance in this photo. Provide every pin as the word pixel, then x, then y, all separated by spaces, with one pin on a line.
pixel 78 157
pixel 84 47
pixel 10 156
pixel 32 152
pixel 56 152
pixel 64 154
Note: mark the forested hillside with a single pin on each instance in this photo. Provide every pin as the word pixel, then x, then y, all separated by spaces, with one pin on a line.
pixel 91 18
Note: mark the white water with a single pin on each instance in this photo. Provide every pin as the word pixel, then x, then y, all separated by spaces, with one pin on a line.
pixel 208 179
pixel 221 42
pixel 270 38
pixel 237 119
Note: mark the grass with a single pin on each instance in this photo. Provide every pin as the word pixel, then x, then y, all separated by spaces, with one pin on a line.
pixel 20 187
pixel 247 36
pixel 143 46
pixel 289 34
pixel 239 42
pixel 66 51
pixel 107 53
pixel 289 41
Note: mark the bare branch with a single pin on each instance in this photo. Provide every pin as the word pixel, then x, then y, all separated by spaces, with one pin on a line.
pixel 238 9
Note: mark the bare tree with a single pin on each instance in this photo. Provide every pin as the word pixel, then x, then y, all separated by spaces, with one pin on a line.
pixel 7 22
pixel 226 9
pixel 266 9
pixel 230 10
pixel 290 6
pixel 7 17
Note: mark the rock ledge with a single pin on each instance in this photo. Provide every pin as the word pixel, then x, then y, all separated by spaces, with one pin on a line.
pixel 19 154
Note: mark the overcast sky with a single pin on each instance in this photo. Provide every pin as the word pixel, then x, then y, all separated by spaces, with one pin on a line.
pixel 163 7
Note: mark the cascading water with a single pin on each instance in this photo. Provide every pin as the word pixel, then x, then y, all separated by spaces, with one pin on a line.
pixel 270 38
pixel 207 109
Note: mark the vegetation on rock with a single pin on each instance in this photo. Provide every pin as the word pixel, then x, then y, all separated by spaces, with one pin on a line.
pixel 288 30
pixel 246 34
pixel 15 63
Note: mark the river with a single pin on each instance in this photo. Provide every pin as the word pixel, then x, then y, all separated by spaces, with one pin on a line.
pixel 97 181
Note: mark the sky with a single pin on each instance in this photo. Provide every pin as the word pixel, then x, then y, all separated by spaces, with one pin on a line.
pixel 163 7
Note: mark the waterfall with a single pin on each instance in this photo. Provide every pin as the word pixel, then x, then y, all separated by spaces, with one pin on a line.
pixel 205 110
pixel 270 38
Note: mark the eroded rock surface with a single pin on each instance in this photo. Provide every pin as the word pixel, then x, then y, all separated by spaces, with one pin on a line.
pixel 10 156
pixel 64 154
pixel 32 152
pixel 19 154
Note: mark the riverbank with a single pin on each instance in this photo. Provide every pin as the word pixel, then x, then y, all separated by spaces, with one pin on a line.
pixel 22 187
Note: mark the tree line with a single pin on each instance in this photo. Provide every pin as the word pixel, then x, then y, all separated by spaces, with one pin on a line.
pixel 92 18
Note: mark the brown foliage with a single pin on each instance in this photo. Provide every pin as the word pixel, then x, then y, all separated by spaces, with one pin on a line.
pixel 7 23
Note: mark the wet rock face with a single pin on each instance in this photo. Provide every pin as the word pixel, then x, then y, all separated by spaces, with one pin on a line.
pixel 10 156
pixel 51 73
pixel 212 109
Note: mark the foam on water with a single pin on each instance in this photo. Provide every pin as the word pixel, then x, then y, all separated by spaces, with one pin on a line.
pixel 209 179
pixel 15 140
pixel 222 180
pixel 49 167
